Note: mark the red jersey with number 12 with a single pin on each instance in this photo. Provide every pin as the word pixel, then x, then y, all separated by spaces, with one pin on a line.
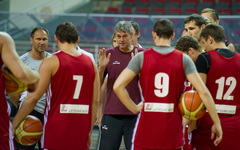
pixel 162 77
pixel 67 117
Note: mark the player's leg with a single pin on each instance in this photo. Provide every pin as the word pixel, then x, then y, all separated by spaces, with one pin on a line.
pixel 111 133
pixel 129 124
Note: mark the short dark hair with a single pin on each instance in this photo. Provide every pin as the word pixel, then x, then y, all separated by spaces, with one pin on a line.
pixel 214 30
pixel 38 28
pixel 67 32
pixel 199 20
pixel 135 26
pixel 163 28
pixel 185 42
pixel 213 12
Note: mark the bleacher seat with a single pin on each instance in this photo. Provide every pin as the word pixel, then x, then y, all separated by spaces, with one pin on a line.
pixel 158 3
pixel 201 6
pixel 229 2
pixel 174 11
pixel 179 2
pixel 157 11
pixel 143 3
pixel 191 2
pixel 225 11
pixel 188 11
pixel 189 8
pixel 127 10
pixel 142 10
pixel 209 1
pixel 128 3
pixel 113 10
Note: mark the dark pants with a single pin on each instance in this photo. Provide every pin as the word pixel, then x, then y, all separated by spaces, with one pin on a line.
pixel 32 147
pixel 113 128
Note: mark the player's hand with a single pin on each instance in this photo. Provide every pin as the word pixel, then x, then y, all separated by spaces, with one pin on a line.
pixel 99 121
pixel 185 121
pixel 192 125
pixel 135 52
pixel 217 131
pixel 102 58
pixel 139 107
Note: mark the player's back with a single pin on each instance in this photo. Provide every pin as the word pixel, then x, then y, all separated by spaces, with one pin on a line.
pixel 223 83
pixel 69 100
pixel 162 80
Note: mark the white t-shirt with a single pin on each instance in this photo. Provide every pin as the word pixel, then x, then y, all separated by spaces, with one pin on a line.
pixel 86 53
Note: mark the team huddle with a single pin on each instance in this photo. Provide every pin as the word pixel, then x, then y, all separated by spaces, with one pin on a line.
pixel 132 94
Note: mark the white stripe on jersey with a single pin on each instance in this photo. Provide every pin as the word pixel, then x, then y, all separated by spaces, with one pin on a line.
pixel 48 102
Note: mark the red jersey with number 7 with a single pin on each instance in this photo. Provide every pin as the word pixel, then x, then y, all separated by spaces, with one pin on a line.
pixel 67 117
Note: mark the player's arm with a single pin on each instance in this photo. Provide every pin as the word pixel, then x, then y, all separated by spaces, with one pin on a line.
pixel 15 99
pixel 95 101
pixel 208 101
pixel 102 100
pixel 12 61
pixel 231 47
pixel 46 70
pixel 119 88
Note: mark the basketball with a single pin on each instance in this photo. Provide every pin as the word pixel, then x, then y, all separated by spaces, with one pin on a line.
pixel 191 105
pixel 29 131
pixel 12 84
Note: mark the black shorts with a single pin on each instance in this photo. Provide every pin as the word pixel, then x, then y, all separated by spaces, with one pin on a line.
pixel 113 128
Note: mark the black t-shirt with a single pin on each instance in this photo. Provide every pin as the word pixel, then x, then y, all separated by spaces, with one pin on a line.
pixel 203 62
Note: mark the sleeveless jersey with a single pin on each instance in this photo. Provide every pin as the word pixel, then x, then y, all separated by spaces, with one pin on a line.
pixel 67 117
pixel 6 138
pixel 159 125
pixel 117 63
pixel 223 82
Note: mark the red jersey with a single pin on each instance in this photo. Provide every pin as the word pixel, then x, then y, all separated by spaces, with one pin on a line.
pixel 67 117
pixel 223 83
pixel 159 125
pixel 6 138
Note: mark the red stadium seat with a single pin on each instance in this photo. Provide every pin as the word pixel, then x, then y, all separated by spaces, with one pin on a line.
pixel 127 10
pixel 142 10
pixel 225 11
pixel 192 1
pixel 158 11
pixel 113 10
pixel 190 11
pixel 174 11
pixel 209 1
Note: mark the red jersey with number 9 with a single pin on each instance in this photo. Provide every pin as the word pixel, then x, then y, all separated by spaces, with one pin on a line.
pixel 162 77
pixel 67 118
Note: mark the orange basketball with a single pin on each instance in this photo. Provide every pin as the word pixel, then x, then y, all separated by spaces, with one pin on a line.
pixel 191 105
pixel 29 131
pixel 12 84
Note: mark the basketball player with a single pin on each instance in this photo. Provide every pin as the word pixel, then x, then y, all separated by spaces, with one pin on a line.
pixel 159 124
pixel 219 69
pixel 117 120
pixel 33 59
pixel 72 84
pixel 10 58
pixel 212 15
pixel 193 25
pixel 136 34
pixel 190 46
